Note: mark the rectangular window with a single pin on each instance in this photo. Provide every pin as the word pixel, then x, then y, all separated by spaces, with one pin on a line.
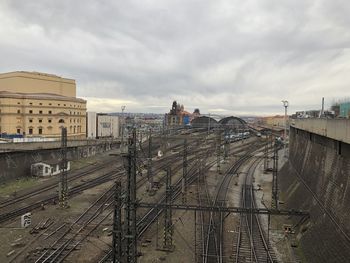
pixel 40 112
pixel 30 131
pixel 40 130
pixel 18 111
pixel 30 120
pixel 30 103
pixel 40 120
pixel 18 131
pixel 49 120
pixel 50 112
pixel 30 111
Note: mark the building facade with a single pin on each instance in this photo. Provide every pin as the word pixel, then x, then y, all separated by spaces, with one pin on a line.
pixel 91 128
pixel 101 125
pixel 274 121
pixel 29 112
pixel 177 116
pixel 36 82
pixel 344 110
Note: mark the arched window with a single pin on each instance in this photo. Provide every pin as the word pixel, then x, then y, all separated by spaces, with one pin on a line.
pixel 61 121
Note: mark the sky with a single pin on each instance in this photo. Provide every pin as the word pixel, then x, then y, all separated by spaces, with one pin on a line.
pixel 223 57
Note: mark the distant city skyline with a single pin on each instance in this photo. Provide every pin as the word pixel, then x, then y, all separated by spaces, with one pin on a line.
pixel 228 57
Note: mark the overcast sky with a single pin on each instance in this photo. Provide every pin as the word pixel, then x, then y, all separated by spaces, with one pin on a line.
pixel 228 57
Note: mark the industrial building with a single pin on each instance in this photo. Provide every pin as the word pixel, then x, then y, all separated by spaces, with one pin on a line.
pixel 101 125
pixel 36 104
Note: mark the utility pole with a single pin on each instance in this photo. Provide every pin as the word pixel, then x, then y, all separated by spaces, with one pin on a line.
pixel 184 172
pixel 274 177
pixel 149 168
pixel 168 223
pixel 117 225
pixel 130 213
pixel 63 184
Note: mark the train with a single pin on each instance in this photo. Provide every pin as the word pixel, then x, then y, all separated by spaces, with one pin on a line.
pixel 237 136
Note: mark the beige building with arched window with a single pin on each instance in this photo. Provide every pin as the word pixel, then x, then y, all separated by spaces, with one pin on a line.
pixel 37 105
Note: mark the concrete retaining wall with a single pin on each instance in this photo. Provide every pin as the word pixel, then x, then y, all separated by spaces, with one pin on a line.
pixel 25 146
pixel 17 164
pixel 317 179
pixel 337 129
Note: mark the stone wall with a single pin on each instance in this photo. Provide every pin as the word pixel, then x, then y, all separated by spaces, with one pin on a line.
pixel 316 178
pixel 17 164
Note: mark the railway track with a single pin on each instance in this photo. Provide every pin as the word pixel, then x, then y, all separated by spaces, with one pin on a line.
pixel 73 238
pixel 252 244
pixel 214 249
pixel 12 208
pixel 74 234
pixel 51 186
pixel 152 214
pixel 145 221
pixel 53 197
pixel 64 244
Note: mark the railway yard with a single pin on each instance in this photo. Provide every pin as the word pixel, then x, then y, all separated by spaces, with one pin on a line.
pixel 183 196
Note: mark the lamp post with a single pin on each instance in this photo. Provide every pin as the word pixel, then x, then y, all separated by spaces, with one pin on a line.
pixel 285 105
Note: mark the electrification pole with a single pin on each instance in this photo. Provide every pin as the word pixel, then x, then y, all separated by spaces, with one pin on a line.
pixel 117 225
pixel 184 172
pixel 123 125
pixel 63 184
pixel 168 224
pixel 218 151
pixel 149 170
pixel 275 177
pixel 130 213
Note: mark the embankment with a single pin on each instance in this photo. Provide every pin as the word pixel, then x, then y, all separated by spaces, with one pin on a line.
pixel 316 179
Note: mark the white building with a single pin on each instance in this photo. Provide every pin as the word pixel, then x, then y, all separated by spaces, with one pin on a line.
pixel 91 118
pixel 47 168
pixel 101 125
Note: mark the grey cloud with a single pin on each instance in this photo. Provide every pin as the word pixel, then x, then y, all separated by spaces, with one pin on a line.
pixel 240 57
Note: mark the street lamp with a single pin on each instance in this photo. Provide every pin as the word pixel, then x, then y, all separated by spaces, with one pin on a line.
pixel 285 105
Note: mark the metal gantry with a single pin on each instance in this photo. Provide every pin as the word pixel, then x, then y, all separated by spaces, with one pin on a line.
pixel 128 252
pixel 63 184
